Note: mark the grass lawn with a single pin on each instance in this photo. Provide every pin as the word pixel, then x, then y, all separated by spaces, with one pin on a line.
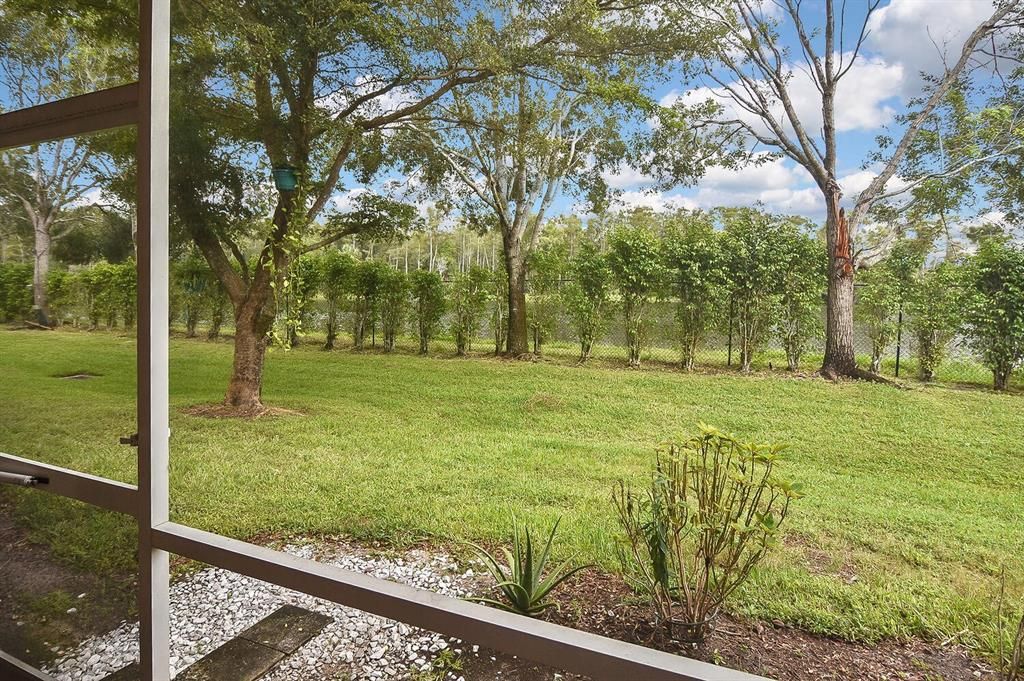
pixel 915 499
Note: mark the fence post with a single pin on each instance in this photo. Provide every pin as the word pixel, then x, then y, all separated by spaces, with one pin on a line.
pixel 899 338
pixel 732 306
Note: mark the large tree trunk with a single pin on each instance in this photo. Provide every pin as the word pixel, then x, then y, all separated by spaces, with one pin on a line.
pixel 252 322
pixel 840 358
pixel 517 342
pixel 40 272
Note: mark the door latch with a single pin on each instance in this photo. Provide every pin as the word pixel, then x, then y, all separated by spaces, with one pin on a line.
pixel 132 440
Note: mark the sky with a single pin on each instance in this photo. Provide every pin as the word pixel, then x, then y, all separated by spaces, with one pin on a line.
pixel 906 37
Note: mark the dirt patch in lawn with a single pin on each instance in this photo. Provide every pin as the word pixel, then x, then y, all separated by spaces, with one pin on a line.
pixel 603 604
pixel 45 606
pixel 77 375
pixel 223 411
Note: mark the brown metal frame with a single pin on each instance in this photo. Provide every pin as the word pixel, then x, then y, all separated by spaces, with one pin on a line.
pixel 145 105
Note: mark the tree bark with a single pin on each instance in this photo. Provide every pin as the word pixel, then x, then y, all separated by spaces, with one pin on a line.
pixel 517 341
pixel 840 357
pixel 40 271
pixel 1001 378
pixel 252 323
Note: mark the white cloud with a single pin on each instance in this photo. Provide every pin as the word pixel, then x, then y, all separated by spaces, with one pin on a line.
pixel 778 184
pixel 346 201
pixel 657 201
pixel 626 177
pixel 921 34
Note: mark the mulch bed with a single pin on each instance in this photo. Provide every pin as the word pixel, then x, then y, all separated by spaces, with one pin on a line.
pixel 604 604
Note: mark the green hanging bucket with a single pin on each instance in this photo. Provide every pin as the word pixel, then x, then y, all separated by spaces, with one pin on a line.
pixel 286 179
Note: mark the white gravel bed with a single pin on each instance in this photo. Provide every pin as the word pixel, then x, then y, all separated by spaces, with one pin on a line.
pixel 212 606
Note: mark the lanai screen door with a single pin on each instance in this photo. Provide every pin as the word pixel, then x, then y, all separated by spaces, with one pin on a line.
pixel 145 105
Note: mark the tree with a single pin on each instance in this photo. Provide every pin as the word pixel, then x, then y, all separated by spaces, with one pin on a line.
pixel 312 86
pixel 428 305
pixel 994 315
pixel 754 243
pixel 514 148
pixel 695 263
pixel 884 292
pixel 635 259
pixel 394 304
pixel 191 278
pixel 935 315
pixel 469 295
pixel 499 309
pixel 802 292
pixel 336 279
pixel 40 63
pixel 367 280
pixel 754 77
pixel 587 297
pixel 546 265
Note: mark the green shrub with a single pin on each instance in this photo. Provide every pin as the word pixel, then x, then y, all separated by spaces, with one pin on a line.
pixel 499 308
pixel 191 277
pixel 428 305
pixel 712 512
pixel 60 293
pixel 995 307
pixel 545 274
pixel 935 315
pixel 802 291
pixel 587 297
pixel 337 270
pixel 695 269
pixel 366 282
pixel 15 291
pixel 635 259
pixel 300 288
pixel 754 244
pixel 522 581
pixel 394 303
pixel 470 292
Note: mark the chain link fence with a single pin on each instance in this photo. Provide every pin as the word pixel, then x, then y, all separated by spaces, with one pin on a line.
pixel 719 352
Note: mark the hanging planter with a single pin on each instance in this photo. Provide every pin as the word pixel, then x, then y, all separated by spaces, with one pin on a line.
pixel 286 178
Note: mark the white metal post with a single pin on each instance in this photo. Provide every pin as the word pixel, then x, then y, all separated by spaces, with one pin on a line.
pixel 152 350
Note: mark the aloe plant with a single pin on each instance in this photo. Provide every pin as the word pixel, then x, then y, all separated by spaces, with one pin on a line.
pixel 522 581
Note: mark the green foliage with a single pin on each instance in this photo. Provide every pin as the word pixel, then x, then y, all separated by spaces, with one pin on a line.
pixel 428 305
pixel 803 288
pixel 695 269
pixel 587 297
pixel 522 580
pixel 635 259
pixel 712 512
pixel 60 291
pixel 935 315
pixel 394 305
pixel 337 270
pixel 884 291
pixel 298 289
pixel 367 278
pixel 994 315
pixel 191 279
pixel 499 309
pixel 15 291
pixel 470 292
pixel 754 244
pixel 546 266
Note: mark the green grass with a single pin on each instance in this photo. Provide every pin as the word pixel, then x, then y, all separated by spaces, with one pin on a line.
pixel 915 498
